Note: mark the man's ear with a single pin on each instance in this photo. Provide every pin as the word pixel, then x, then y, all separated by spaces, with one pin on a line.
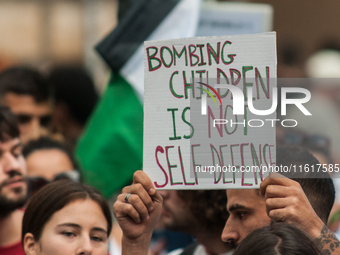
pixel 30 245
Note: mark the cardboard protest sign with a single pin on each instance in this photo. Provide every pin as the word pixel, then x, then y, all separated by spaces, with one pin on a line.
pixel 209 111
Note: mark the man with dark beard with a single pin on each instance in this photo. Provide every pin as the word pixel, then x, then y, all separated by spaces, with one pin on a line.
pixel 13 188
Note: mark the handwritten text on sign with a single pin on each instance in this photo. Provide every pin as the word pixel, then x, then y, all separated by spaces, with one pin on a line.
pixel 192 139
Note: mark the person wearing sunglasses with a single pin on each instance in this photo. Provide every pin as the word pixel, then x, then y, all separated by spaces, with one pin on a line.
pixel 48 160
pixel 26 92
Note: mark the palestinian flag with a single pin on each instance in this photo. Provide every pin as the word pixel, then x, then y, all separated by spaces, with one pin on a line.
pixel 111 148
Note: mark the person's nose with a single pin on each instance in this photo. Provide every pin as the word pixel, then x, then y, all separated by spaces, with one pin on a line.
pixel 36 129
pixel 9 162
pixel 85 246
pixel 230 233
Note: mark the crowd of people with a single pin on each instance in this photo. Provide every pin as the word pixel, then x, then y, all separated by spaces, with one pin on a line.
pixel 45 208
pixel 34 153
pixel 66 217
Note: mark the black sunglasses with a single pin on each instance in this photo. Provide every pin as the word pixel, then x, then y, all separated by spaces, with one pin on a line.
pixel 36 183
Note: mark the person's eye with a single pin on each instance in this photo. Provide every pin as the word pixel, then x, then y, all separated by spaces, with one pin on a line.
pixel 68 234
pixel 16 155
pixel 241 215
pixel 23 118
pixel 45 120
pixel 97 238
pixel 17 152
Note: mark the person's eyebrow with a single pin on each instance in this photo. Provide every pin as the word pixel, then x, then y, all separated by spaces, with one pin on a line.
pixel 236 207
pixel 69 225
pixel 78 226
pixel 100 229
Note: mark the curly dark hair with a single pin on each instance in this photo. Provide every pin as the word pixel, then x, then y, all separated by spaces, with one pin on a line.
pixel 207 206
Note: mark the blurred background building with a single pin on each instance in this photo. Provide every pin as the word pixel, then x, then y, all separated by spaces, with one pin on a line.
pixel 54 32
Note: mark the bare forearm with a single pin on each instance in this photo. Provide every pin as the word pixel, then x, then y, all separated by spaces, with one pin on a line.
pixel 329 243
pixel 135 247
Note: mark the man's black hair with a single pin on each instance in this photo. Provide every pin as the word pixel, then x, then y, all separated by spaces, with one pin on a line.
pixel 314 180
pixel 207 206
pixel 8 125
pixel 74 87
pixel 23 80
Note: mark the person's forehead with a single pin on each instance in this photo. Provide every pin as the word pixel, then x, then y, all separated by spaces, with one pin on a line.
pixel 83 212
pixel 26 104
pixel 48 163
pixel 243 197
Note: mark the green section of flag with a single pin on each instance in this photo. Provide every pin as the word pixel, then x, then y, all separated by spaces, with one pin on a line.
pixel 111 148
